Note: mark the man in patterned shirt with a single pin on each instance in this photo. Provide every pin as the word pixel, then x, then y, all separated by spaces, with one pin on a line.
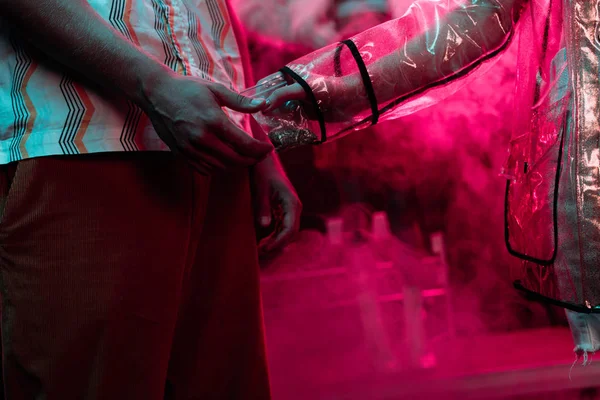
pixel 126 274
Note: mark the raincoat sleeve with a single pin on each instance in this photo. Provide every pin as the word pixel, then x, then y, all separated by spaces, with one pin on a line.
pixel 386 72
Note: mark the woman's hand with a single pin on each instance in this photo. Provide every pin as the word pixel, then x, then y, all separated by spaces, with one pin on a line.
pixel 339 99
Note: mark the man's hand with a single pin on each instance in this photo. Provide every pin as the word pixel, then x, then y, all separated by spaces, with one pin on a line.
pixel 277 207
pixel 187 115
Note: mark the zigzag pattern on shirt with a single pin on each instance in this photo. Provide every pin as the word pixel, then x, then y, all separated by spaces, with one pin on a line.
pixel 160 17
pixel 220 29
pixel 23 109
pixel 120 18
pixel 79 116
pixel 205 65
pixel 131 126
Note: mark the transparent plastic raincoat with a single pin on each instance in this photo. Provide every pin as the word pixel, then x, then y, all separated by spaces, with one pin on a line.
pixel 394 69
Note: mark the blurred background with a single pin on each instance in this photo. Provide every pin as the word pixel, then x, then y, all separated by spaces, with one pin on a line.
pixel 399 285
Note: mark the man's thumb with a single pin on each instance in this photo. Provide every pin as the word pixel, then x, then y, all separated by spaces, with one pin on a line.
pixel 236 101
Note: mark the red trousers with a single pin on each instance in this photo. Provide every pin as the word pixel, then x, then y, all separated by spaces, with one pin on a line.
pixel 128 276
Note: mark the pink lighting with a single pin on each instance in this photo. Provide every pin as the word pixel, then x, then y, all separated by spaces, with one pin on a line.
pixel 400 287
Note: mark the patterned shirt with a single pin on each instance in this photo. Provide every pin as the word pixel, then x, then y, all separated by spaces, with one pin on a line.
pixel 45 111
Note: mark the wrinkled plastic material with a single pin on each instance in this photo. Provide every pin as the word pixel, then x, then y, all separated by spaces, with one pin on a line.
pixel 553 204
pixel 553 171
pixel 542 101
pixel 396 68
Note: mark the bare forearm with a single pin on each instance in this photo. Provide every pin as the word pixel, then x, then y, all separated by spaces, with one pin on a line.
pixel 72 33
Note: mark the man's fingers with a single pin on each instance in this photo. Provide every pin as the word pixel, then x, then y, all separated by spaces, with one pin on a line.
pixel 289 228
pixel 224 144
pixel 281 96
pixel 283 237
pixel 236 101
